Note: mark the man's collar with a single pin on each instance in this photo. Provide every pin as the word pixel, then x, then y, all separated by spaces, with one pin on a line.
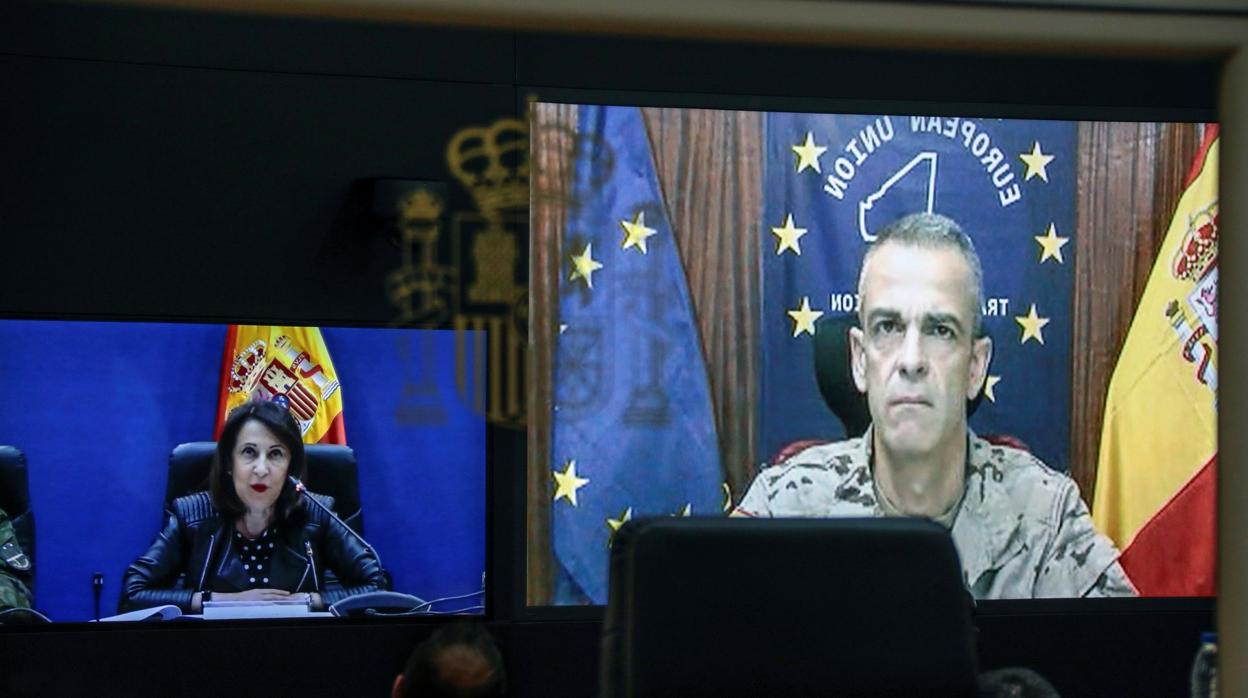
pixel 984 520
pixel 868 451
pixel 868 446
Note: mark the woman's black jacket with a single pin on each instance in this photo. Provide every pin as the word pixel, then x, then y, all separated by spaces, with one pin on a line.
pixel 195 552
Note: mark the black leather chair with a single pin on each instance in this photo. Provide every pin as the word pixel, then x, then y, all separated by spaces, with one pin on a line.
pixel 15 499
pixel 331 471
pixel 834 373
pixel 786 607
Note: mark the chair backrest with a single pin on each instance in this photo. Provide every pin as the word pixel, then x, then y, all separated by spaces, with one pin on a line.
pixel 786 607
pixel 833 373
pixel 15 498
pixel 331 471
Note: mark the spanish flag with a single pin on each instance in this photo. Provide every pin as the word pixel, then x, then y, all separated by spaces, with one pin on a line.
pixel 1156 478
pixel 288 364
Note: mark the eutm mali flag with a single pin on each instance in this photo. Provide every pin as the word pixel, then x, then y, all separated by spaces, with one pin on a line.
pixel 287 364
pixel 1156 480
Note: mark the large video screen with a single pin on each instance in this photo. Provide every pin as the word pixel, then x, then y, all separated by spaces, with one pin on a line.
pixel 158 459
pixel 1008 326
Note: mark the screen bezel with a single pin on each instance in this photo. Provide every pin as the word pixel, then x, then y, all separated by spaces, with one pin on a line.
pixel 544 69
pixel 898 107
pixel 488 596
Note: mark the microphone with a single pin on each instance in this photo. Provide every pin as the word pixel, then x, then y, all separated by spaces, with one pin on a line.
pixel 97 586
pixel 303 490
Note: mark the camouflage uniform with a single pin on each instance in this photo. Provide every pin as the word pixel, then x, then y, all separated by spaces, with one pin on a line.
pixel 15 572
pixel 1021 529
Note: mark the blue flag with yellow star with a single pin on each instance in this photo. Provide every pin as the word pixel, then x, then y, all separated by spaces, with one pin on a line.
pixel 633 431
pixel 832 181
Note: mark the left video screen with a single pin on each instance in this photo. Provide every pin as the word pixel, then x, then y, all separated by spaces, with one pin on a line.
pixel 240 471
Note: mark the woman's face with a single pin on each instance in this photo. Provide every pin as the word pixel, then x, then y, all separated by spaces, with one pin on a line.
pixel 260 464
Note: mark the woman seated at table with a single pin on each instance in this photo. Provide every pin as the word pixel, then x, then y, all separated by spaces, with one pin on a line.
pixel 251 536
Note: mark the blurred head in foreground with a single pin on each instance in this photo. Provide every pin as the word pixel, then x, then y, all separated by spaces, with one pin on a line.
pixel 1015 682
pixel 458 660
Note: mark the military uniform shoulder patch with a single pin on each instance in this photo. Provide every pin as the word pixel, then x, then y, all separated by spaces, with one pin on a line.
pixel 13 556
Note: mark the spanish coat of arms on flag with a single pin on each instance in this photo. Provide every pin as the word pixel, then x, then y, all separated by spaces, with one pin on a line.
pixel 287 364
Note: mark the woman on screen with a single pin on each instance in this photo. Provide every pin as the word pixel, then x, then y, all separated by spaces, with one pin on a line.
pixel 251 536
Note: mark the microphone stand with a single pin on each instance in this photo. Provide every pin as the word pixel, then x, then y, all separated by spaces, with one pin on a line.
pixel 303 490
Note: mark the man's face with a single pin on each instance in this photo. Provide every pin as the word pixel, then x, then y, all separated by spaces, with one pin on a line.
pixel 915 356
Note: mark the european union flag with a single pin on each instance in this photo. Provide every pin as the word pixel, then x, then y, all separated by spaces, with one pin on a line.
pixel 831 181
pixel 633 432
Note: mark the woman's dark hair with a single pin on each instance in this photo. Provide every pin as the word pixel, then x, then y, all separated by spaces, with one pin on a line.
pixel 276 417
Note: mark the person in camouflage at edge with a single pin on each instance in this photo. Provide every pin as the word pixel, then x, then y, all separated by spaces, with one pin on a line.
pixel 15 568
pixel 1020 528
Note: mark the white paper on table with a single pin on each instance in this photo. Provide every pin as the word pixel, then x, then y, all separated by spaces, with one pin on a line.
pixel 167 612
pixel 221 610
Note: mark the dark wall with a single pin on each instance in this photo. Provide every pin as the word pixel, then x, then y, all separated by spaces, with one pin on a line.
pixel 1137 653
pixel 199 167
pixel 174 165
pixel 541 659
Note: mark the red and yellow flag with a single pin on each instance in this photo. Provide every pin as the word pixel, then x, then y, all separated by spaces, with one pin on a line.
pixel 288 364
pixel 1156 479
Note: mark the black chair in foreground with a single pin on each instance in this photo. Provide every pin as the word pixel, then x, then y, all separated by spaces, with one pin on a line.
pixel 786 607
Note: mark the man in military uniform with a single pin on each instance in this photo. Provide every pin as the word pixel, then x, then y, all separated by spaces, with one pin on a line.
pixel 1020 527
pixel 15 570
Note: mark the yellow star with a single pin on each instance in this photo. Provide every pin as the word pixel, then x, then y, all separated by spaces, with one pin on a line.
pixel 1051 245
pixel 989 385
pixel 727 496
pixel 1031 324
pixel 567 482
pixel 788 236
pixel 686 511
pixel 804 318
pixel 1036 162
pixel 614 524
pixel 584 265
pixel 563 327
pixel 636 232
pixel 808 154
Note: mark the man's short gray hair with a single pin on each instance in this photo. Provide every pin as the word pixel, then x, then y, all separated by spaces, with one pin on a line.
pixel 932 230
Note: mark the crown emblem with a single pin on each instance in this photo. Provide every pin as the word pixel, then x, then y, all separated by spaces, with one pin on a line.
pixel 492 162
pixel 245 365
pixel 1199 249
pixel 419 205
pixel 418 285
